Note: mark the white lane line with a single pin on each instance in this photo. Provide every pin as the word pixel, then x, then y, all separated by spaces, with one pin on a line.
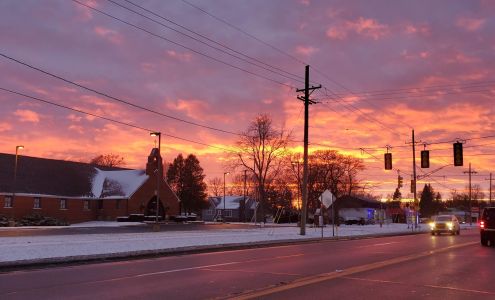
pixel 381 244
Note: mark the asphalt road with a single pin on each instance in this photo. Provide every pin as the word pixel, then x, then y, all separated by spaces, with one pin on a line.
pixel 402 267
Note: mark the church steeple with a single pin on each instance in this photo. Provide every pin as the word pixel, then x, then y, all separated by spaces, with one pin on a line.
pixel 154 162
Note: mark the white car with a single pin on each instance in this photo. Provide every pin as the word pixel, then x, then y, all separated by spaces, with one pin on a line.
pixel 445 223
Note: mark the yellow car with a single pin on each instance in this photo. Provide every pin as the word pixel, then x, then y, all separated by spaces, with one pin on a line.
pixel 445 223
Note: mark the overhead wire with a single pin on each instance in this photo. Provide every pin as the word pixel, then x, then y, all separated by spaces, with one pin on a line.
pixel 106 95
pixel 184 46
pixel 109 119
pixel 270 68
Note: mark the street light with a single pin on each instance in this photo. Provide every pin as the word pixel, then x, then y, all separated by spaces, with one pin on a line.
pixel 223 212
pixel 158 173
pixel 17 148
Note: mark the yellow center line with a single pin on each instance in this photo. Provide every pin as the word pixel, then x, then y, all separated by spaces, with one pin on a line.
pixel 329 276
pixel 423 285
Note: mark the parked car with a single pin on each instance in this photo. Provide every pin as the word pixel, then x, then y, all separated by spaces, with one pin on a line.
pixel 487 226
pixel 445 223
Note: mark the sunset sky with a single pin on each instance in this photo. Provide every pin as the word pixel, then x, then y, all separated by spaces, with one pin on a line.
pixel 386 67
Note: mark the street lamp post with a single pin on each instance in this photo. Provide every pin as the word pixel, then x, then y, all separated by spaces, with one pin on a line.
pixel 158 173
pixel 223 211
pixel 17 148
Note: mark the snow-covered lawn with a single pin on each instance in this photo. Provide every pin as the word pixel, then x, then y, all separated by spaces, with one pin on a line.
pixel 36 248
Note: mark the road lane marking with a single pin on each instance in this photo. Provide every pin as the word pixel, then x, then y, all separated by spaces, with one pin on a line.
pixel 167 272
pixel 381 244
pixel 421 285
pixel 249 271
pixel 333 275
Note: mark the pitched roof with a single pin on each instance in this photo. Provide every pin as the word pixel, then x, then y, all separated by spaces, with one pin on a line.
pixel 43 176
pixel 231 202
pixel 356 202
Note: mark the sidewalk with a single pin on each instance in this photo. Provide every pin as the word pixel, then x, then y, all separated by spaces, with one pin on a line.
pixel 29 250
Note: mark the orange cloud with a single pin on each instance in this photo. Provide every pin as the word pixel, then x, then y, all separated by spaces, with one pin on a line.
pixel 5 127
pixel 27 115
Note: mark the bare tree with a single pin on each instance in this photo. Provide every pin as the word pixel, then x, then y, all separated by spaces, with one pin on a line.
pixel 260 150
pixel 108 160
pixel 215 186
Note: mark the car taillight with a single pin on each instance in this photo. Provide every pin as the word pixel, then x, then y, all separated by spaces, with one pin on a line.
pixel 482 224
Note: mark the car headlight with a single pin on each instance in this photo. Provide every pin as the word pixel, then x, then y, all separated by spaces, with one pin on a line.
pixel 449 224
pixel 432 225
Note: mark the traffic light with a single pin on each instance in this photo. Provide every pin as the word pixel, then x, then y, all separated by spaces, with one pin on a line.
pixel 388 161
pixel 425 159
pixel 458 159
pixel 399 182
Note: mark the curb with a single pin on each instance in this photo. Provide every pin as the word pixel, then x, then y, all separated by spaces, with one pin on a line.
pixel 141 254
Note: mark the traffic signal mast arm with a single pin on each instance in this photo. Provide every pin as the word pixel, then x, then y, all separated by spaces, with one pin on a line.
pixel 432 172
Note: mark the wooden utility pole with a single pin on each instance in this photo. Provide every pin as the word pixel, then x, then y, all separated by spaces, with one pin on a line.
pixel 470 172
pixel 307 102
pixel 490 188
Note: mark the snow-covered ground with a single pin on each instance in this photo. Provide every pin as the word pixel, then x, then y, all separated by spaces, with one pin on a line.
pixel 80 246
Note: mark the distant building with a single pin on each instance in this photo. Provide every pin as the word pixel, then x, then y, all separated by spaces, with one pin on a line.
pixel 236 209
pixel 77 192
pixel 351 209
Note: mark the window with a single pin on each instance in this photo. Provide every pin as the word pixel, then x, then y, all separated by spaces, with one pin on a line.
pixel 100 204
pixel 86 205
pixel 37 203
pixel 210 212
pixel 117 203
pixel 63 203
pixel 228 213
pixel 8 202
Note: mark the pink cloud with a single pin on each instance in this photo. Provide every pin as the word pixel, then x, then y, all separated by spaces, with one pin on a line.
pixel 5 127
pixel 306 50
pixel 337 33
pixel 27 115
pixel 417 29
pixel 108 34
pixel 193 108
pixel 470 24
pixel 370 28
pixel 185 57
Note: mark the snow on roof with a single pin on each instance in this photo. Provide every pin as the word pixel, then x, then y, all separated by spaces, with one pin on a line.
pixel 122 183
pixel 231 202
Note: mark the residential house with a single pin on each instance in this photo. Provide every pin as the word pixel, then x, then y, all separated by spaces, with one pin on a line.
pixel 236 209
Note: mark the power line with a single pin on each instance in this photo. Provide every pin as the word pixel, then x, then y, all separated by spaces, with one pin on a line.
pixel 184 47
pixel 245 33
pixel 114 98
pixel 415 90
pixel 109 119
pixel 204 43
pixel 275 48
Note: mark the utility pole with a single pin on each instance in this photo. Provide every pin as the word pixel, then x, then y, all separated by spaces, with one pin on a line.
pixel 490 188
pixel 414 168
pixel 415 178
pixel 244 212
pixel 470 172
pixel 307 102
